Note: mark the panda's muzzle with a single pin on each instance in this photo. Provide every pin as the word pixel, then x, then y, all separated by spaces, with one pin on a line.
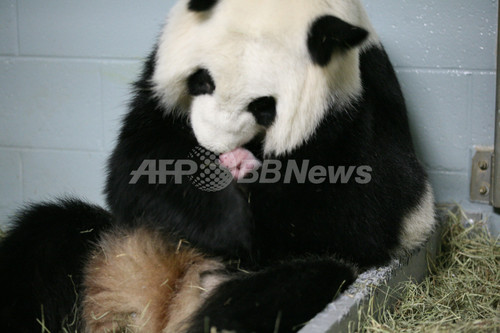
pixel 262 108
pixel 220 127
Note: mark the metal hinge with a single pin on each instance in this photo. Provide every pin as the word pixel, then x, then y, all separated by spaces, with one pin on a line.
pixel 481 184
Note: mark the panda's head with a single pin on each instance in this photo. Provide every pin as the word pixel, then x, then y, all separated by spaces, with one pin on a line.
pixel 238 68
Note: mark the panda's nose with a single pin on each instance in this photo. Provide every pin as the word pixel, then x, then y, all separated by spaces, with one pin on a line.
pixel 264 110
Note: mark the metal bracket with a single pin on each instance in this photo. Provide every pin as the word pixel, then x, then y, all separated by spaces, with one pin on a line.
pixel 481 186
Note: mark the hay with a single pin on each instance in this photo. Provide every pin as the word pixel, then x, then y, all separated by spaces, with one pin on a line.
pixel 462 293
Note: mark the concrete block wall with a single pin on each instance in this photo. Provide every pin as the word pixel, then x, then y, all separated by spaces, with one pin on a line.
pixel 66 66
pixel 65 72
pixel 444 52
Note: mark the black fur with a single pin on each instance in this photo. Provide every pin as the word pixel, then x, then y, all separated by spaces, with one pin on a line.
pixel 329 34
pixel 358 222
pixel 201 5
pixel 280 299
pixel 218 222
pixel 200 83
pixel 41 262
pixel 264 110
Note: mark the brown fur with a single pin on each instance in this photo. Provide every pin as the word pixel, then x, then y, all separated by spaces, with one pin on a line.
pixel 138 282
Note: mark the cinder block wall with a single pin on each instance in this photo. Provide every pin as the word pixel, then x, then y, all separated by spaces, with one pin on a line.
pixel 66 66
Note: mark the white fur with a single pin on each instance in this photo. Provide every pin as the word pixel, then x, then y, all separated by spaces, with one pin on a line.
pixel 217 127
pixel 419 223
pixel 256 48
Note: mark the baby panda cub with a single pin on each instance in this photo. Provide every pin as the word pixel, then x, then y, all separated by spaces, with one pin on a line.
pixel 136 280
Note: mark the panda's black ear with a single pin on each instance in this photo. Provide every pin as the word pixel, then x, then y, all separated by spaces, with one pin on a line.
pixel 201 5
pixel 329 34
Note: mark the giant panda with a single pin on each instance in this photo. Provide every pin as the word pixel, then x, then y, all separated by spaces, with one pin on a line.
pixel 300 81
pixel 303 84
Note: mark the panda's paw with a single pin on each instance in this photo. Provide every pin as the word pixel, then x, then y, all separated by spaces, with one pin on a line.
pixel 240 162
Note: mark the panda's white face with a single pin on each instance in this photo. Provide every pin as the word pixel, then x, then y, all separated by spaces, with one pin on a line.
pixel 259 67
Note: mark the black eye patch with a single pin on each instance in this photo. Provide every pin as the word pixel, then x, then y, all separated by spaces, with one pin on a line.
pixel 200 83
pixel 264 110
pixel 201 5
pixel 329 34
